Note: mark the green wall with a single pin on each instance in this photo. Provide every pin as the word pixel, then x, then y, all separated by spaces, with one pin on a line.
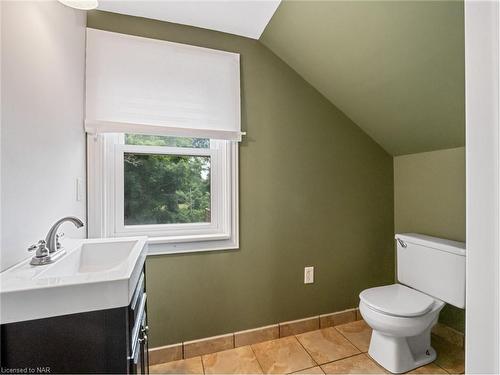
pixel 429 198
pixel 314 190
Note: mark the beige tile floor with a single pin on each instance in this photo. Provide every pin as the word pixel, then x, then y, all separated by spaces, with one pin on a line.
pixel 335 350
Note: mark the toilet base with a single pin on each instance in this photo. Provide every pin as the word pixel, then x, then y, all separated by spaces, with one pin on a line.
pixel 402 354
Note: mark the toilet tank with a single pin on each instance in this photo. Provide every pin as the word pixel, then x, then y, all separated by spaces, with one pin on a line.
pixel 432 265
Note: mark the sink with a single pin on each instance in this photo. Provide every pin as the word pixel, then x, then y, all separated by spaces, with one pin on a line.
pixel 91 258
pixel 94 274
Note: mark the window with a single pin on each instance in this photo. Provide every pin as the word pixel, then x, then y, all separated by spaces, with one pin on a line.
pixel 179 191
pixel 163 120
pixel 167 187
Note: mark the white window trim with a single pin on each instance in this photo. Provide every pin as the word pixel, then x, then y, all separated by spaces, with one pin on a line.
pixel 105 171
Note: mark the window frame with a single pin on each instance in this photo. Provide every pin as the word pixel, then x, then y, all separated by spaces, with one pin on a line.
pixel 106 198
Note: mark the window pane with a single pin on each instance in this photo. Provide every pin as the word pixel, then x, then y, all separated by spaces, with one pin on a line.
pixel 166 189
pixel 158 140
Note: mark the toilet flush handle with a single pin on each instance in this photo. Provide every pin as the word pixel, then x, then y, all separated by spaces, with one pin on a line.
pixel 402 243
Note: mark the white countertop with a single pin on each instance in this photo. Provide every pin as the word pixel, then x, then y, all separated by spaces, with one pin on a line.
pixel 94 274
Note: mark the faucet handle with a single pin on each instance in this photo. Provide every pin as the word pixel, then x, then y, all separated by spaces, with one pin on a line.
pixel 37 245
pixel 58 237
pixel 41 249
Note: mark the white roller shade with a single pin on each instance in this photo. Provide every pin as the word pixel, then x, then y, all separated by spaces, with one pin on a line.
pixel 148 86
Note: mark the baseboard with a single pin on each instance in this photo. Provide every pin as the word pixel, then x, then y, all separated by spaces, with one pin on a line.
pixel 231 340
pixel 214 344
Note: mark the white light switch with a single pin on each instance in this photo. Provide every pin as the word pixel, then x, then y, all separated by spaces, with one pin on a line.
pixel 308 275
pixel 79 189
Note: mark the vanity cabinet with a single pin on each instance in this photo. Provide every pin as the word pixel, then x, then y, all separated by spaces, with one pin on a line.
pixel 105 341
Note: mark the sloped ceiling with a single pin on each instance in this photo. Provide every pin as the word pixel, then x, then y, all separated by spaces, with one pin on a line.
pixel 396 68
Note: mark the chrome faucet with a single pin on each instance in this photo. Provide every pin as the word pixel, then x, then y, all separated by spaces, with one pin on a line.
pixel 50 249
pixel 52 238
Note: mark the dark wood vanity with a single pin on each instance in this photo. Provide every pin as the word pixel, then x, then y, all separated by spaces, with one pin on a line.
pixel 105 341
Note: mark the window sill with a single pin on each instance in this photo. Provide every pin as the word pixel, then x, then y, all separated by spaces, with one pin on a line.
pixel 190 238
pixel 158 247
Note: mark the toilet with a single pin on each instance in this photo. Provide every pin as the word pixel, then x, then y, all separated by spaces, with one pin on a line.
pixel 430 273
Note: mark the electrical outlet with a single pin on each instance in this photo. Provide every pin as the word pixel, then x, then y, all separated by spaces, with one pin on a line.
pixel 308 275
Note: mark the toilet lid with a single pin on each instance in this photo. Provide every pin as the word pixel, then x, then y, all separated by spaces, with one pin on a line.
pixel 397 300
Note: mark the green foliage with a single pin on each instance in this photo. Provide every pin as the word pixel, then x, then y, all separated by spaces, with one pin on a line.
pixel 158 140
pixel 166 189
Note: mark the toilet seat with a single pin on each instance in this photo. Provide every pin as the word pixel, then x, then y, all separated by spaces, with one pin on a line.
pixel 397 300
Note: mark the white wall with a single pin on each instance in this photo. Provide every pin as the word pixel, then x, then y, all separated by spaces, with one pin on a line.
pixel 1 6
pixel 483 190
pixel 43 141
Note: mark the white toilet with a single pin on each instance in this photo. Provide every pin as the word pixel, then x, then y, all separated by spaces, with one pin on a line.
pixel 431 272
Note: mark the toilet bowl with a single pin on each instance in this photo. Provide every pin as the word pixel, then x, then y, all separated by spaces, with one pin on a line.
pixel 431 273
pixel 401 338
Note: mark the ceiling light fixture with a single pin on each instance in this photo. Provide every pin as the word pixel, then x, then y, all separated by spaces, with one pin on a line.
pixel 80 4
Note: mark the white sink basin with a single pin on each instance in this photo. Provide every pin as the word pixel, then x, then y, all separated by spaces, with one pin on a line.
pixel 93 275
pixel 91 258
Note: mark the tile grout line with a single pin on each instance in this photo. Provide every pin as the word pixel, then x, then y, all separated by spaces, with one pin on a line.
pixel 377 364
pixel 256 358
pixel 307 351
pixel 308 368
pixel 350 342
pixel 442 368
pixel 340 359
pixel 202 364
pixel 351 356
